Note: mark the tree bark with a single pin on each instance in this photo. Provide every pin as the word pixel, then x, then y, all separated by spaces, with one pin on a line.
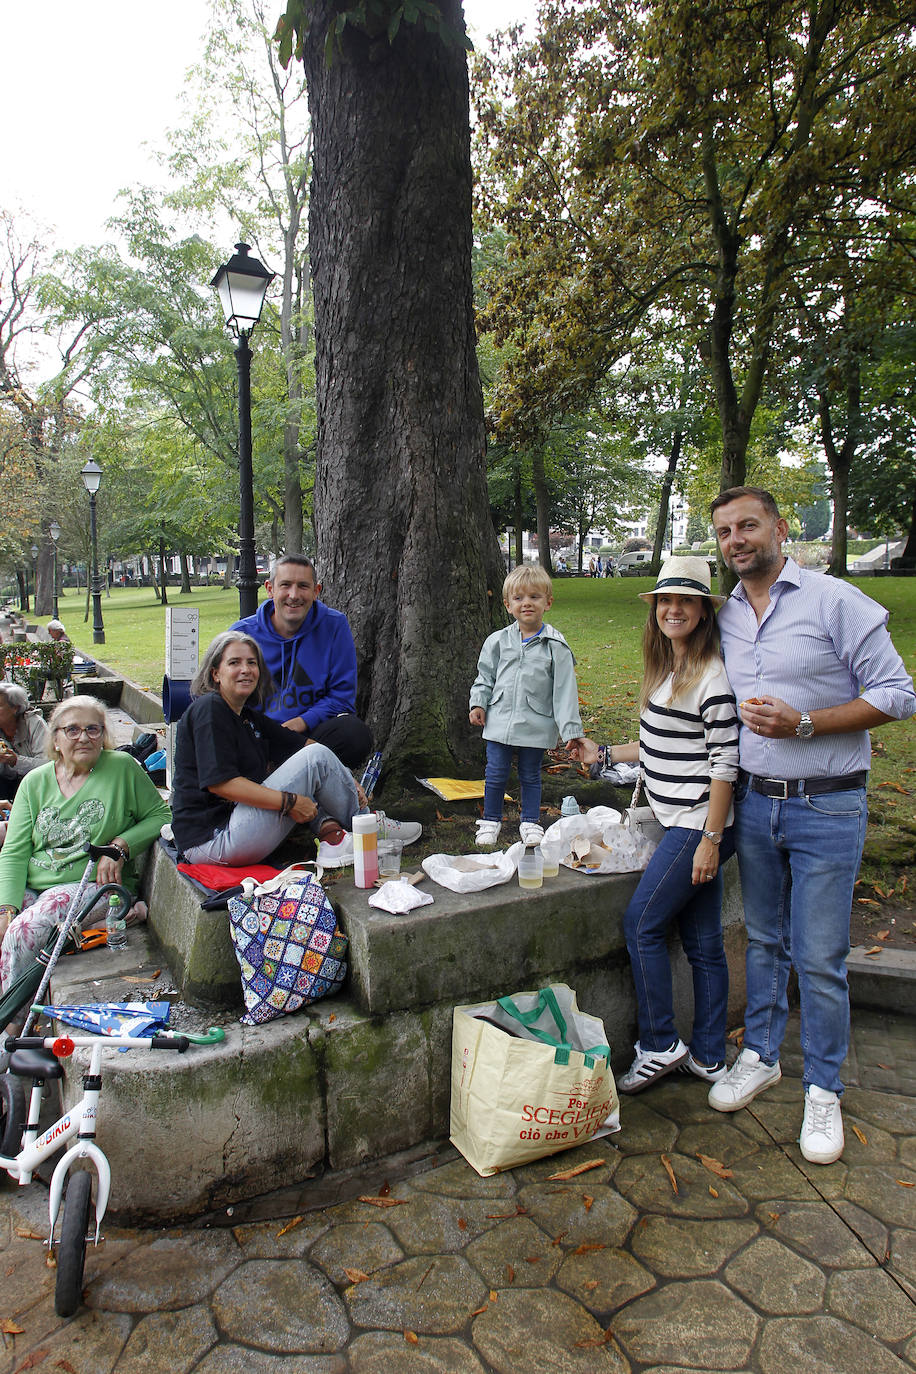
pixel 542 506
pixel 405 543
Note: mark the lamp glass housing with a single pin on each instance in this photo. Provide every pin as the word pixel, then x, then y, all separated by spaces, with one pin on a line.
pixel 242 285
pixel 91 474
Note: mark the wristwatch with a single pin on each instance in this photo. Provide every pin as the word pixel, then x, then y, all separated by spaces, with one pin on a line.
pixel 805 727
pixel 714 835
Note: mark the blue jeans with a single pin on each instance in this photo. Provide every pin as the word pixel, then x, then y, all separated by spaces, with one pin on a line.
pixel 799 860
pixel 252 834
pixel 665 895
pixel 499 761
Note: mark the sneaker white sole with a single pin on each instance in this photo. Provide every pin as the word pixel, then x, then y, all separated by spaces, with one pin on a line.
pixel 746 1097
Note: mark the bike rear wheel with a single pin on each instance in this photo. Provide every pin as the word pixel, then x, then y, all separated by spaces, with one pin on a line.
pixel 71 1251
pixel 12 1114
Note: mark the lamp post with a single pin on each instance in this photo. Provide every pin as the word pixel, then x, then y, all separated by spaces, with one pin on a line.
pixel 34 552
pixel 54 531
pixel 91 474
pixel 242 284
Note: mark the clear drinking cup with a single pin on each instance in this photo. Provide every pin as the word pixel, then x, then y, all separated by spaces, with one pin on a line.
pixel 389 858
pixel 530 869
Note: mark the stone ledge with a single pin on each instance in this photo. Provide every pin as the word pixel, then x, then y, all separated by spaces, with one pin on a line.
pixel 886 981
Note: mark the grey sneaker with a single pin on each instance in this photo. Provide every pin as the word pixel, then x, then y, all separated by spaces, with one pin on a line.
pixel 405 831
pixel 747 1077
pixel 821 1138
pixel 650 1065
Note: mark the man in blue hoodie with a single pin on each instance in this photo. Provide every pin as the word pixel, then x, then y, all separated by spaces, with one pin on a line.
pixel 310 653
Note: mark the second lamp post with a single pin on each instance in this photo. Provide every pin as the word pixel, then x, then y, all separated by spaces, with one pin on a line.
pixel 91 474
pixel 242 284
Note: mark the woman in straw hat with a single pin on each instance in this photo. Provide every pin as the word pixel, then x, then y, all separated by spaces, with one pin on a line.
pixel 688 757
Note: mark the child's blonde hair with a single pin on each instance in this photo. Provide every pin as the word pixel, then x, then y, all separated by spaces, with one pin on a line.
pixel 527 575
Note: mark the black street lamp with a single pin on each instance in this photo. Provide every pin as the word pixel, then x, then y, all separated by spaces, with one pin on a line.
pixel 242 284
pixel 34 575
pixel 54 531
pixel 91 474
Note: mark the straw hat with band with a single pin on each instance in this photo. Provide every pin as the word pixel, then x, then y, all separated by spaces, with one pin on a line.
pixel 687 576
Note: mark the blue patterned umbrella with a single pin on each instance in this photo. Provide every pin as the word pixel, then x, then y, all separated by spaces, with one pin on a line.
pixel 113 1018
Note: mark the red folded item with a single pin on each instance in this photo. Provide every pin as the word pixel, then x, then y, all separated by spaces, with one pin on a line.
pixel 217 877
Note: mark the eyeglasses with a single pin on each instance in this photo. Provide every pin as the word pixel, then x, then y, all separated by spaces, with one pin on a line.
pixel 74 731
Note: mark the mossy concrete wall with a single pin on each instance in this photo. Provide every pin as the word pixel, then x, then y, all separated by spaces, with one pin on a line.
pixel 352 1078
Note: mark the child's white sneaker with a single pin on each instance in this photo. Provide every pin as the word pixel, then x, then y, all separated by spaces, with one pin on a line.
pixel 487 833
pixel 530 833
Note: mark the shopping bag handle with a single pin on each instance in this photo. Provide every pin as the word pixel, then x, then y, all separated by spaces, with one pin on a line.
pixel 547 1001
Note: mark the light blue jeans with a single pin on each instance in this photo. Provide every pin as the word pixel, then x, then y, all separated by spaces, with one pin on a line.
pixel 799 860
pixel 252 834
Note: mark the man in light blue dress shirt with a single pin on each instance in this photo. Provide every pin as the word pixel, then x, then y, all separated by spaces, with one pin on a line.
pixel 813 670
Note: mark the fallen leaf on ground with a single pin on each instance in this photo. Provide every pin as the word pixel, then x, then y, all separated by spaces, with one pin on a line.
pixel 462 1224
pixel 903 1183
pixel 411 1338
pixel 587 1247
pixel 666 1162
pixel 713 1192
pixel 493 1295
pixel 737 1034
pixel 24 1234
pixel 887 1067
pixel 868 901
pixel 356 1276
pixel 588 1201
pixel 65 1365
pixel 875 949
pixel 384 1201
pixel 32 1360
pixel 576 1170
pixel 595 1340
pixel 9 1327
pixel 714 1166
pixel 558 1240
pixel 591 1285
pixel 385 1189
pixel 290 1226
pixel 478 1310
pixel 533 1259
pixel 507 1216
pixel 896 786
pixel 881 934
pixel 510 1274
pixel 859 1134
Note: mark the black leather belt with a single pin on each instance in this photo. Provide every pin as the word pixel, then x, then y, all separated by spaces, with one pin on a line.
pixel 798 787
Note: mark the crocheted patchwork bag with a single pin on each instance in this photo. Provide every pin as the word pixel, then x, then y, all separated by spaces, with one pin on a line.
pixel 288 944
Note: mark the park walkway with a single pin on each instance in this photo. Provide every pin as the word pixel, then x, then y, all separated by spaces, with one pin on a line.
pixel 747 1259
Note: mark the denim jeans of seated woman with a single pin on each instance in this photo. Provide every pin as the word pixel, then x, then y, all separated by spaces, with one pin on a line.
pixel 252 834
pixel 799 860
pixel 499 762
pixel 667 895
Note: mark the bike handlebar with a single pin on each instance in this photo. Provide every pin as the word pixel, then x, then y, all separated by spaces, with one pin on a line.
pixel 181 1043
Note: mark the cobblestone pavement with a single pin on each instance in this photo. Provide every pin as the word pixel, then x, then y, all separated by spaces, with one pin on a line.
pixel 756 1261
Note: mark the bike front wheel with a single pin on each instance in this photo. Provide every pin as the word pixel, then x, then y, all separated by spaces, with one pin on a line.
pixel 12 1114
pixel 71 1251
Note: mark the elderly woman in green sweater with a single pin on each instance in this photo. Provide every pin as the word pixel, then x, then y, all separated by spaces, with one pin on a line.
pixel 87 792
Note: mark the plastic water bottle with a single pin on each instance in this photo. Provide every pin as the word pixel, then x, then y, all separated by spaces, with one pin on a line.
pixel 569 807
pixel 365 849
pixel 116 930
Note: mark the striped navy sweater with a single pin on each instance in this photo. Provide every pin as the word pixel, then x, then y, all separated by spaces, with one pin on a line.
pixel 683 745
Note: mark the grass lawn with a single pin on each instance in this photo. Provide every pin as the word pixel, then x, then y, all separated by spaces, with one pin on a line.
pixel 603 621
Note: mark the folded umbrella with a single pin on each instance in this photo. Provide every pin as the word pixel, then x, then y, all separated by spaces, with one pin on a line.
pixel 112 1018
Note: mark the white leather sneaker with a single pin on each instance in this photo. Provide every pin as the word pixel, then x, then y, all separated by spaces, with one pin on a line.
pixel 530 833
pixel 747 1077
pixel 821 1140
pixel 487 833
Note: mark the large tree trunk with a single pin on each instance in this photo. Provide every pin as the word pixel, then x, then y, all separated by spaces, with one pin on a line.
pixel 405 542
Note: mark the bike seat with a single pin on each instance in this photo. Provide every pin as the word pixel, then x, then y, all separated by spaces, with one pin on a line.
pixel 36 1064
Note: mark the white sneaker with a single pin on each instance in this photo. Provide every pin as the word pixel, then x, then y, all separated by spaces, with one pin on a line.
pixel 710 1073
pixel 530 833
pixel 405 831
pixel 821 1138
pixel 336 855
pixel 747 1077
pixel 487 833
pixel 650 1065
